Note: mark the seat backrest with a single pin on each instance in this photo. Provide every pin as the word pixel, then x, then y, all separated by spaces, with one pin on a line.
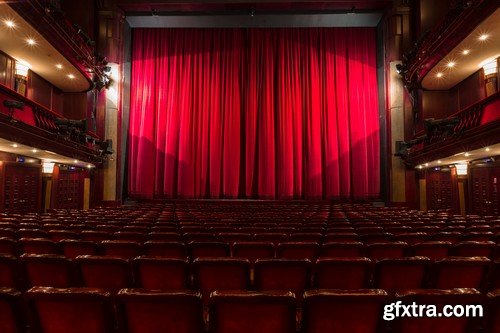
pixel 8 246
pixel 165 236
pixel 253 250
pixel 342 250
pixel 378 251
pixel 474 249
pixel 298 250
pixel 163 249
pixel 461 272
pixel 10 275
pixel 342 273
pixel 47 270
pixel 433 250
pixel 208 250
pixel 283 275
pixel 146 311
pixel 95 236
pixel 272 237
pixel 349 311
pixel 73 248
pixel 399 274
pixel 438 298
pixel 249 312
pixel 122 249
pixel 161 273
pixel 75 310
pixel 38 246
pixel 11 320
pixel 109 273
pixel 210 274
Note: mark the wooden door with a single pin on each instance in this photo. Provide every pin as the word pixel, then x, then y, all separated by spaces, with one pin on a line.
pixel 439 190
pixel 485 188
pixel 67 188
pixel 21 191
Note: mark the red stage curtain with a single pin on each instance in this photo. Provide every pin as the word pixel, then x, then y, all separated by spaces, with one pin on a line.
pixel 254 113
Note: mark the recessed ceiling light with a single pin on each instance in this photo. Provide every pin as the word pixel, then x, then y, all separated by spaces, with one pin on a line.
pixel 439 75
pixel 450 64
pixel 483 37
pixel 89 166
pixel 71 76
pixel 75 161
pixel 426 164
pixel 30 41
pixel 439 162
pixel 14 145
pixel 465 52
pixel 10 23
pixel 466 154
pixel 59 66
pixel 487 149
pixel 420 167
pixel 35 150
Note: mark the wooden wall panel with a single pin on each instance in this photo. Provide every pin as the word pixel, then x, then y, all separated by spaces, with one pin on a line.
pixel 75 106
pixel 20 187
pixel 39 90
pixel 6 70
pixel 57 101
pixel 435 104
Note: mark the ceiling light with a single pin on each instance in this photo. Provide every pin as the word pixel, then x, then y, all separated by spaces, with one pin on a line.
pixel 439 75
pixel 426 164
pixel 71 76
pixel 35 150
pixel 487 149
pixel 483 37
pixel 75 161
pixel 30 41
pixel 59 66
pixel 466 154
pixel 451 64
pixel 465 52
pixel 439 162
pixel 10 23
pixel 14 145
pixel 89 166
pixel 420 167
pixel 461 169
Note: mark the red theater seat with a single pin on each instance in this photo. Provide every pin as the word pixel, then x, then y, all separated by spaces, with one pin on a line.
pixel 298 250
pixel 95 236
pixel 251 312
pixel 378 251
pixel 122 249
pixel 461 272
pixel 73 248
pixel 10 319
pixel 147 311
pixel 395 275
pixel 253 250
pixel 165 236
pixel 283 275
pixel 411 238
pixel 343 311
pixel 210 274
pixel 129 236
pixel 57 235
pixel 208 249
pixel 342 273
pixel 342 250
pixel 383 237
pixel 341 237
pixel 8 233
pixel 438 298
pixel 110 273
pixel 165 249
pixel 274 238
pixel 161 273
pixel 47 270
pixel 306 237
pixel 75 310
pixel 433 250
pixel 232 237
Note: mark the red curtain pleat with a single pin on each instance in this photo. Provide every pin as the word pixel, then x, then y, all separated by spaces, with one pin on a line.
pixel 254 113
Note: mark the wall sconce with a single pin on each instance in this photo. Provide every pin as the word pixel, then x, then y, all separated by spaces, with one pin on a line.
pixel 22 68
pixel 461 169
pixel 490 68
pixel 48 167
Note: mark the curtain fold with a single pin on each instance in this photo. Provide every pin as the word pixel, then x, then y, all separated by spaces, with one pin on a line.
pixel 254 113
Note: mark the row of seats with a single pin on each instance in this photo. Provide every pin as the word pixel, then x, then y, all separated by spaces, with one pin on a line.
pixel 211 274
pixel 250 250
pixel 86 310
pixel 275 235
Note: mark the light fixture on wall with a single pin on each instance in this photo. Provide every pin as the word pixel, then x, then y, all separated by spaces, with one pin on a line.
pixel 22 68
pixel 48 167
pixel 461 169
pixel 490 68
